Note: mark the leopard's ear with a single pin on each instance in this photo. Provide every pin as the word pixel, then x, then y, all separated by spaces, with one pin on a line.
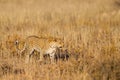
pixel 16 42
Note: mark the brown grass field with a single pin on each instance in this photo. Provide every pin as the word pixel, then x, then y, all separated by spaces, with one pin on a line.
pixel 90 30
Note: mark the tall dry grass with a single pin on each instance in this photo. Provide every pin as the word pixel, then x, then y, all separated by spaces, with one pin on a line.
pixel 90 30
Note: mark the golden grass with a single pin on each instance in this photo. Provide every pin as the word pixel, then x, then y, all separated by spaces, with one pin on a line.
pixel 90 30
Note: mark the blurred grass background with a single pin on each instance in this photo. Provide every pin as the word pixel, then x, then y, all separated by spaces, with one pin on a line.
pixel 90 29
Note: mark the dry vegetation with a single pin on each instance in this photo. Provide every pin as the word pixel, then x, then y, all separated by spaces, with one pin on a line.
pixel 90 29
